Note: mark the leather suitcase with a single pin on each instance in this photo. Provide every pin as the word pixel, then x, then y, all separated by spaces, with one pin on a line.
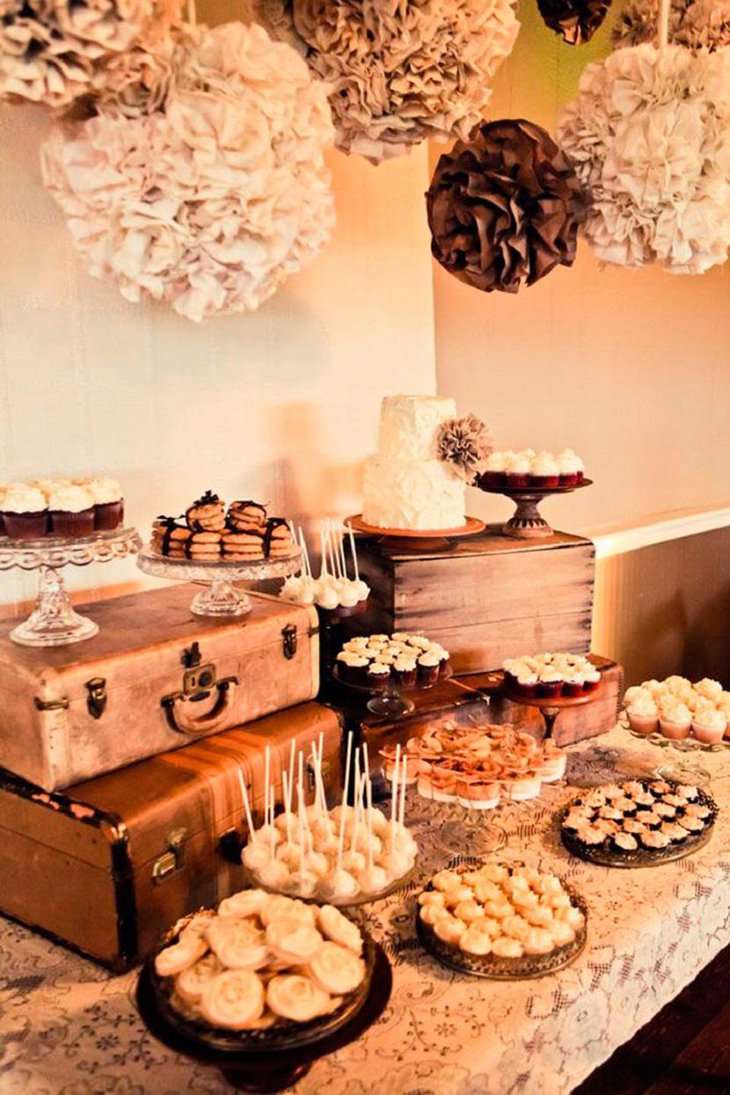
pixel 152 680
pixel 485 598
pixel 110 864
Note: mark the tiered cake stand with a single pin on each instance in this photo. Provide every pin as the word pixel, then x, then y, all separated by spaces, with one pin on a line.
pixel 527 523
pixel 219 598
pixel 53 622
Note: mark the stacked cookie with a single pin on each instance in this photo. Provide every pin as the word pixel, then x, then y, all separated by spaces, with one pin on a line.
pixel 209 532
pixel 262 961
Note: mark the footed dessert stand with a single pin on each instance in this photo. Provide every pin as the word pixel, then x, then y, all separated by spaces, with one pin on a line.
pixel 549 706
pixel 527 523
pixel 683 769
pixel 390 700
pixel 54 622
pixel 417 539
pixel 219 598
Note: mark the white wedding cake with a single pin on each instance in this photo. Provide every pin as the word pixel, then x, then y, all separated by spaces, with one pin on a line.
pixel 406 486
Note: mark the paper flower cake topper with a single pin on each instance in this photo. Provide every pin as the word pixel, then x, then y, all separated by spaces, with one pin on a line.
pixel 203 183
pixel 399 73
pixel 696 24
pixel 575 20
pixel 650 137
pixel 504 207
pixel 465 444
pixel 53 52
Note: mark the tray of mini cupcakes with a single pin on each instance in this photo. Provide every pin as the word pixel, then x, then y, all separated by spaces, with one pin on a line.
pixel 680 711
pixel 68 509
pixel 404 660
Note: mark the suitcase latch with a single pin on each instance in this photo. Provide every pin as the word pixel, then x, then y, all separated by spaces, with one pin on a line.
pixel 289 638
pixel 173 860
pixel 97 697
pixel 311 777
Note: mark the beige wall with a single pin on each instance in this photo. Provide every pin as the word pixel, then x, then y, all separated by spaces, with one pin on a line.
pixel 280 405
pixel 630 368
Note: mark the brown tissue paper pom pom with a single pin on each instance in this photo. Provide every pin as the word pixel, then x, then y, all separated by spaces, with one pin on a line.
pixel 504 207
pixel 576 20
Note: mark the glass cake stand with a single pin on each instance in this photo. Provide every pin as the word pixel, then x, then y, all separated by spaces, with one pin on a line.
pixel 526 522
pixel 685 767
pixel 389 700
pixel 53 622
pixel 219 598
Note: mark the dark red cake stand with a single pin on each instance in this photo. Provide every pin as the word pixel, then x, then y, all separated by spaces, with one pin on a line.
pixel 549 706
pixel 261 1071
pixel 527 523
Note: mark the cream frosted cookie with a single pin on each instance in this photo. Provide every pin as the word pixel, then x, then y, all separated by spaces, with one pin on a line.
pixel 233 1000
pixel 177 957
pixel 295 996
pixel 278 905
pixel 239 944
pixel 336 969
pixel 243 904
pixel 191 982
pixel 339 928
pixel 291 939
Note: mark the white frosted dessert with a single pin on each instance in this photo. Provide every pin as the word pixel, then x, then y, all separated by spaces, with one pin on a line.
pixel 406 485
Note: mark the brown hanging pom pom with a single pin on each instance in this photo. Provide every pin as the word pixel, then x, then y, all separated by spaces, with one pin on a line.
pixel 465 443
pixel 576 20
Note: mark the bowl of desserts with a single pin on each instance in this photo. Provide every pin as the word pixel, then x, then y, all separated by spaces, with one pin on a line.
pixel 680 711
pixel 501 920
pixel 638 823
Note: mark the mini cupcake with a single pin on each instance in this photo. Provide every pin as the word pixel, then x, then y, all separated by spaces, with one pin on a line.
pixel 521 786
pixel 570 467
pixel 106 494
pixel 550 683
pixel 428 668
pixel 24 512
pixel 443 656
pixel 624 842
pixel 574 684
pixel 71 511
pixel 405 671
pixel 553 764
pixel 544 471
pixel 527 683
pixel 709 726
pixel 475 794
pixel 591 679
pixel 712 690
pixel 518 471
pixel 353 667
pixel 377 674
pixel 675 721
pixel 495 468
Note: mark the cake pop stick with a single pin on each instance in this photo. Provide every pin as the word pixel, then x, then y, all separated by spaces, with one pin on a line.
pixel 356 801
pixel 246 806
pixel 305 553
pixel 292 758
pixel 353 552
pixel 369 814
pixel 343 559
pixel 403 791
pixel 394 799
pixel 346 788
pixel 300 794
pixel 267 771
pixel 272 831
pixel 287 805
pixel 323 569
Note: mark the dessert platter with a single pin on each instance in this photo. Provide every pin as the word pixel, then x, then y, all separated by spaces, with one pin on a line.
pixel 263 986
pixel 350 855
pixel 475 767
pixel 504 921
pixel 638 823
pixel 527 477
pixel 414 486
pixel 677 714
pixel 219 545
pixel 551 682
pixel 49 524
pixel 387 666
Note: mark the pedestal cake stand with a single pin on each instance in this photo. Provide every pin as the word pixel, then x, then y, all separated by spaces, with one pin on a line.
pixel 417 539
pixel 389 700
pixel 53 622
pixel 549 706
pixel 685 767
pixel 526 523
pixel 219 598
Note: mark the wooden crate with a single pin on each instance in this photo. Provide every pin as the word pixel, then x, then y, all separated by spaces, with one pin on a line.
pixel 485 598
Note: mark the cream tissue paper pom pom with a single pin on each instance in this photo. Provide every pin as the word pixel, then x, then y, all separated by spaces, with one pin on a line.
pixel 649 135
pixel 51 51
pixel 696 24
pixel 211 202
pixel 398 73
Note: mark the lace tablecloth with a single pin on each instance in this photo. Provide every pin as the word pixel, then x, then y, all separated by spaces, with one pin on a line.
pixel 68 1027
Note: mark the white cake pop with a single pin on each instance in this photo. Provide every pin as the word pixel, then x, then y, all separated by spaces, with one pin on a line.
pixel 288 852
pixel 317 864
pixel 303 883
pixel 292 589
pixel 353 861
pixel 340 884
pixel 328 598
pixel 255 854
pixel 372 879
pixel 378 821
pixel 395 863
pixel 274 874
pixel 361 589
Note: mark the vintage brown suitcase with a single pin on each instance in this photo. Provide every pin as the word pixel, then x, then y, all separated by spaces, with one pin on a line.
pixel 485 598
pixel 152 680
pixel 477 698
pixel 110 864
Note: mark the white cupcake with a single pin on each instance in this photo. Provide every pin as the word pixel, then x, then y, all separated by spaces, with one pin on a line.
pixel 709 726
pixel 675 721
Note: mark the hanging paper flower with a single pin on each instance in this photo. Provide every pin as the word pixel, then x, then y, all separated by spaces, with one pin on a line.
pixel 465 443
pixel 696 24
pixel 51 50
pixel 575 20
pixel 650 137
pixel 399 73
pixel 504 207
pixel 212 202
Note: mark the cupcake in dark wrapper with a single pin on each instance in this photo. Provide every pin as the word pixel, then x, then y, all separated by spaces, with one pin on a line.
pixel 545 471
pixel 494 472
pixel 428 668
pixel 24 512
pixel 378 675
pixel 71 511
pixel 106 494
pixel 550 684
pixel 405 671
pixel 570 467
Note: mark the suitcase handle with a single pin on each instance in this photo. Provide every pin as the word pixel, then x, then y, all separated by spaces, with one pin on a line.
pixel 179 719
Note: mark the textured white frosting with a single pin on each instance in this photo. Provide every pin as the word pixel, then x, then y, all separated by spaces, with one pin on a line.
pixel 69 499
pixel 23 498
pixel 102 489
pixel 412 494
pixel 409 425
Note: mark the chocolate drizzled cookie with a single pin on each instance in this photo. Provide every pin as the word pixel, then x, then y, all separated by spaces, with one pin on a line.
pixel 207 514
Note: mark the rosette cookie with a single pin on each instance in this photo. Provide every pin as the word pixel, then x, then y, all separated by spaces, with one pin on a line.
pixel 239 944
pixel 294 996
pixel 336 969
pixel 291 940
pixel 234 1000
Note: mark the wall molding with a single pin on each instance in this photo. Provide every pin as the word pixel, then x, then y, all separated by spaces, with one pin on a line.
pixel 664 527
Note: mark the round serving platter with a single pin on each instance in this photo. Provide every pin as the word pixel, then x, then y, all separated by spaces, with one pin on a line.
pixel 502 969
pixel 283 1035
pixel 252 880
pixel 643 857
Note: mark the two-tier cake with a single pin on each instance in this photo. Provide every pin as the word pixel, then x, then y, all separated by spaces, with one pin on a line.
pixel 406 485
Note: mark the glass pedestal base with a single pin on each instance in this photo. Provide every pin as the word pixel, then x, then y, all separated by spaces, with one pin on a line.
pixel 391 705
pixel 684 771
pixel 220 598
pixel 472 835
pixel 53 622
